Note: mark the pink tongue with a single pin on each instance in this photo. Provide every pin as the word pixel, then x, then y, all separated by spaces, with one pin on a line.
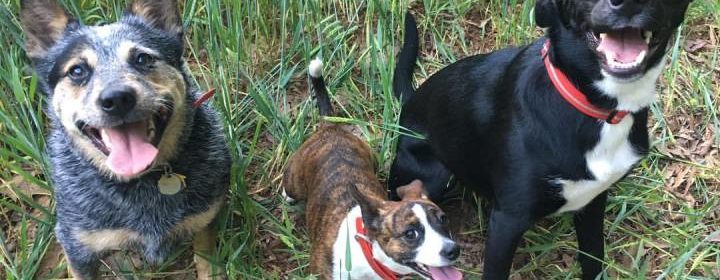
pixel 623 46
pixel 445 273
pixel 130 151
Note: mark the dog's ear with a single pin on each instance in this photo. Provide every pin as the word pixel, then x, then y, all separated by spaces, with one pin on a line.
pixel 413 191
pixel 161 14
pixel 372 208
pixel 44 22
pixel 546 13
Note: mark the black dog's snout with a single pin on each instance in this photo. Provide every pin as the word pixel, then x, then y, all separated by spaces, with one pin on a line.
pixel 451 251
pixel 117 101
pixel 616 3
pixel 628 7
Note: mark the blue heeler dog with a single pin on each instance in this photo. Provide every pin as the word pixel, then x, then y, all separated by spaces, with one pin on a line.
pixel 134 164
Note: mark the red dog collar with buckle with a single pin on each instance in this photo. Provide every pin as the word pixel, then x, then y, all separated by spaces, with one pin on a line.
pixel 381 270
pixel 576 98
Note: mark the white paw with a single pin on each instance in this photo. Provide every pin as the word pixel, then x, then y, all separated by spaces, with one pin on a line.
pixel 287 198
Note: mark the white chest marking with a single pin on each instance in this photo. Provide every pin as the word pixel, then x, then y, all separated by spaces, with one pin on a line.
pixel 345 245
pixel 608 161
pixel 632 95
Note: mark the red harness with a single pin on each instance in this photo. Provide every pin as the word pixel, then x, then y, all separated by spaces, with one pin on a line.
pixel 576 98
pixel 381 270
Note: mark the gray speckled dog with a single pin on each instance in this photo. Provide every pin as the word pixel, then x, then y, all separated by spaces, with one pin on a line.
pixel 134 163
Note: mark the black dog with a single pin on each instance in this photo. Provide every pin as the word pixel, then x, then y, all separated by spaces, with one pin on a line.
pixel 535 145
pixel 137 160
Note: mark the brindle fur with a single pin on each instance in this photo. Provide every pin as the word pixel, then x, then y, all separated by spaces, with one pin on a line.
pixel 319 172
pixel 333 171
pixel 401 215
pixel 98 211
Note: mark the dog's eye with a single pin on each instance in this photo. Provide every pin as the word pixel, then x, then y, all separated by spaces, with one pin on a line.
pixel 77 72
pixel 144 59
pixel 443 219
pixel 411 234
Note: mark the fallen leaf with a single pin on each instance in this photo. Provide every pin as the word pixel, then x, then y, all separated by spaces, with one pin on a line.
pixel 695 45
pixel 53 256
pixel 714 237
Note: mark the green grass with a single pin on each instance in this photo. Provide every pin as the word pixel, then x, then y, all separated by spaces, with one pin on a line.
pixel 256 52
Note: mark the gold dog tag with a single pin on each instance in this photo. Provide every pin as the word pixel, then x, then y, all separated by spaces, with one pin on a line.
pixel 171 183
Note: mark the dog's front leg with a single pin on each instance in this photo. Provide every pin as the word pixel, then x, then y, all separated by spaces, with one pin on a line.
pixel 589 228
pixel 504 233
pixel 204 243
pixel 83 262
pixel 83 266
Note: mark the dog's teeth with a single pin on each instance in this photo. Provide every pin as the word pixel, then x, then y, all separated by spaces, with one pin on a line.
pixel 648 36
pixel 103 136
pixel 640 58
pixel 105 139
pixel 602 36
pixel 609 56
pixel 151 129
pixel 620 65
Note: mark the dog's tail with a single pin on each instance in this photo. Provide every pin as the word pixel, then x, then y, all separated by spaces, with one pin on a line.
pixel 402 78
pixel 317 86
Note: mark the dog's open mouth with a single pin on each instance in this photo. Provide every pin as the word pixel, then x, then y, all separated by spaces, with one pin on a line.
pixel 131 148
pixel 623 52
pixel 437 273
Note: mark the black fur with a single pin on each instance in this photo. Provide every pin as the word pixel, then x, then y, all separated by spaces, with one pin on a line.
pixel 319 91
pixel 402 84
pixel 496 123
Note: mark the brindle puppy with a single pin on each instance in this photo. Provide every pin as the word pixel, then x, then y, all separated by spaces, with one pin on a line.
pixel 334 171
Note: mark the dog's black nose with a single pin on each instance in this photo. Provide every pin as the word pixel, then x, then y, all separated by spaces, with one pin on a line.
pixel 450 251
pixel 616 3
pixel 627 5
pixel 117 101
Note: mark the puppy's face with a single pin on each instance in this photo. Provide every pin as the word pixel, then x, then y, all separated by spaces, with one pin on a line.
pixel 412 232
pixel 117 89
pixel 628 37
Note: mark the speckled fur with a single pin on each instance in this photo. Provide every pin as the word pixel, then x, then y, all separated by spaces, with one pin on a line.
pixel 97 212
pixel 87 200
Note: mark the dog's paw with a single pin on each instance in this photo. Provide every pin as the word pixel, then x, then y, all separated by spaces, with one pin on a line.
pixel 208 271
pixel 218 276
pixel 287 198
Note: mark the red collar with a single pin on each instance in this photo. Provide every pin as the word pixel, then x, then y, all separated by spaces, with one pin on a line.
pixel 205 97
pixel 576 98
pixel 381 270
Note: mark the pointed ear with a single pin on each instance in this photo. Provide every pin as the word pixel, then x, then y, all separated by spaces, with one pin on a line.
pixel 44 22
pixel 413 191
pixel 372 208
pixel 546 13
pixel 161 14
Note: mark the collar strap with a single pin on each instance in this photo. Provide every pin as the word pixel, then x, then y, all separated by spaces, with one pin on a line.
pixel 576 98
pixel 381 270
pixel 203 98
